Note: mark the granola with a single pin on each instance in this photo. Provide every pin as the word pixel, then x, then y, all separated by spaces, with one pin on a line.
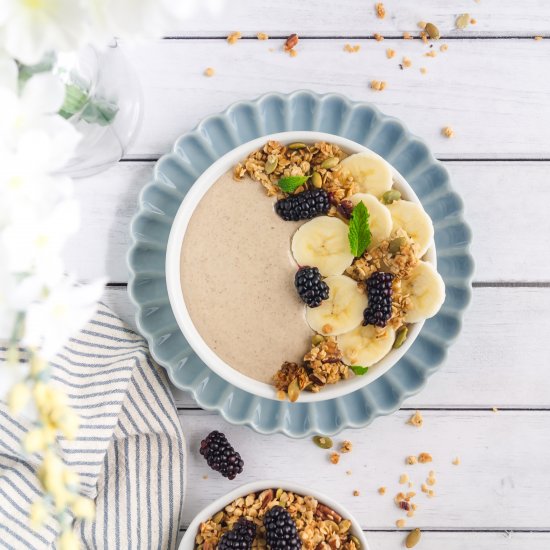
pixel 317 524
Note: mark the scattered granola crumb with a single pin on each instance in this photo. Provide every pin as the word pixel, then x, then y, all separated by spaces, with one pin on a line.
pixel 281 395
pixel 262 36
pixel 443 47
pixel 390 53
pixel 378 37
pixel 424 488
pixel 431 493
pixel 456 461
pixel 292 53
pixel 424 37
pixel 411 460
pixel 209 71
pixel 346 447
pixel 403 478
pixel 448 132
pixel 431 481
pixel 407 36
pixel 378 85
pixel 233 37
pixel 473 21
pixel 416 420
pixel 352 49
pixel 431 53
pixel 495 409
pixel 334 458
pixel 400 523
pixel 356 493
pixel 348 472
pixel 423 458
pixel 381 490
pixel 326 328
pixel 407 62
pixel 538 38
pixel 205 477
pixel 423 70
pixel 380 10
pixel 410 484
pixel 422 25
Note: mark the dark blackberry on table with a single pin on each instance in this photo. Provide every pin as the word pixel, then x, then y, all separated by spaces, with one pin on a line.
pixel 379 289
pixel 221 456
pixel 280 530
pixel 310 286
pixel 240 537
pixel 303 206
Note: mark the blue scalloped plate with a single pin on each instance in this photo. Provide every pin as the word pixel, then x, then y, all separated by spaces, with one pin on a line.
pixel 240 123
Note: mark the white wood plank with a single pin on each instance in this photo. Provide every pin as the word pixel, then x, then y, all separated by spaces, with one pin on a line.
pixel 492 92
pixel 357 17
pixel 502 482
pixel 500 359
pixel 506 205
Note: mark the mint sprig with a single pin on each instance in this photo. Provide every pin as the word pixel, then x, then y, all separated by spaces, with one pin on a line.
pixel 359 234
pixel 291 183
pixel 359 371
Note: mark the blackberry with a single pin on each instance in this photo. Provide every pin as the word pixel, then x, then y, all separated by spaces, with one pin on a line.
pixel 379 287
pixel 311 288
pixel 303 206
pixel 240 537
pixel 280 530
pixel 221 456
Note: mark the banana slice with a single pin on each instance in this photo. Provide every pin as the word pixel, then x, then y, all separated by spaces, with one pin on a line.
pixel 412 218
pixel 380 221
pixel 343 310
pixel 323 243
pixel 371 173
pixel 426 290
pixel 365 346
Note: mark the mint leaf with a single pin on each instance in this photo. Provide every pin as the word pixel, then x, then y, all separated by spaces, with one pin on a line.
pixel 290 184
pixel 359 371
pixel 359 235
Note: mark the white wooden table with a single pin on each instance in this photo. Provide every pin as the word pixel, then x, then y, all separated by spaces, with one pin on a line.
pixel 492 87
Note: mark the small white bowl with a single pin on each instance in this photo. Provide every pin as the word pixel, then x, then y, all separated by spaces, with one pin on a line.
pixel 188 541
pixel 175 294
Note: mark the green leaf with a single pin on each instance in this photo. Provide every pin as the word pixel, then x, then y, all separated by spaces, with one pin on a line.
pixel 290 184
pixel 359 235
pixel 359 371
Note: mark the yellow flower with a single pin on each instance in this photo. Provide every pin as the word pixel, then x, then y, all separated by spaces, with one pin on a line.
pixel 51 472
pixel 38 514
pixel 69 424
pixel 12 355
pixel 18 397
pixel 68 541
pixel 37 365
pixel 71 478
pixel 83 508
pixel 40 395
pixel 34 441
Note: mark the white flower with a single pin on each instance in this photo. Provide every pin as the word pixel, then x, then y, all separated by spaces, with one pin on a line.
pixel 31 28
pixel 50 322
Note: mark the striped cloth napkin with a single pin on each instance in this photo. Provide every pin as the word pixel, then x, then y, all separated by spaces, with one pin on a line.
pixel 129 452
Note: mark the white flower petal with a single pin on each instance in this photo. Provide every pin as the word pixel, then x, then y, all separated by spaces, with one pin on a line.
pixel 43 93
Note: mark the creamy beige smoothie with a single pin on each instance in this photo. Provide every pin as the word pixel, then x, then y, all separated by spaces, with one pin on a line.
pixel 237 279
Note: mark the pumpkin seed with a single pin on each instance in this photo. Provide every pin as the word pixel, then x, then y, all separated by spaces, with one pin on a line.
pixel 433 31
pixel 331 162
pixel 293 390
pixel 218 517
pixel 317 180
pixel 317 339
pixel 323 442
pixel 355 541
pixel 297 145
pixel 462 21
pixel 390 196
pixel 278 493
pixel 271 164
pixel 400 337
pixel 412 538
pixel 396 244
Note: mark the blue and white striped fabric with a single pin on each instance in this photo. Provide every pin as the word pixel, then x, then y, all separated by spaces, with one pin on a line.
pixel 130 452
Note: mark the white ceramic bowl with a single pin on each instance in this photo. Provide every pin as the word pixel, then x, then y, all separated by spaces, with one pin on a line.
pixel 188 541
pixel 175 294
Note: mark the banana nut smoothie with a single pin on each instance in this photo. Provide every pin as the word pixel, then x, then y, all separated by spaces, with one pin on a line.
pixel 235 271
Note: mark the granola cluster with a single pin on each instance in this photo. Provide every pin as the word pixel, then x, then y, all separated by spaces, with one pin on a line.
pixel 319 526
pixel 275 161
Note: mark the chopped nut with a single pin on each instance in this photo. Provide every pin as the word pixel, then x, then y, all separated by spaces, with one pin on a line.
pixel 403 478
pixel 407 36
pixel 380 10
pixel 334 458
pixel 346 447
pixel 538 38
pixel 378 37
pixel 356 493
pixel 281 395
pixel 407 62
pixel 209 71
pixel 390 53
pixel 495 409
pixel 422 25
pixel 443 47
pixel 416 420
pixel 234 37
pixel 400 523
pixel 456 461
pixel 348 472
pixel 262 36
pixel 291 42
pixel 423 70
pixel 378 85
pixel 381 490
pixel 327 328
pixel 411 460
pixel 473 21
pixel 431 53
pixel 352 49
pixel 448 132
pixel 423 458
